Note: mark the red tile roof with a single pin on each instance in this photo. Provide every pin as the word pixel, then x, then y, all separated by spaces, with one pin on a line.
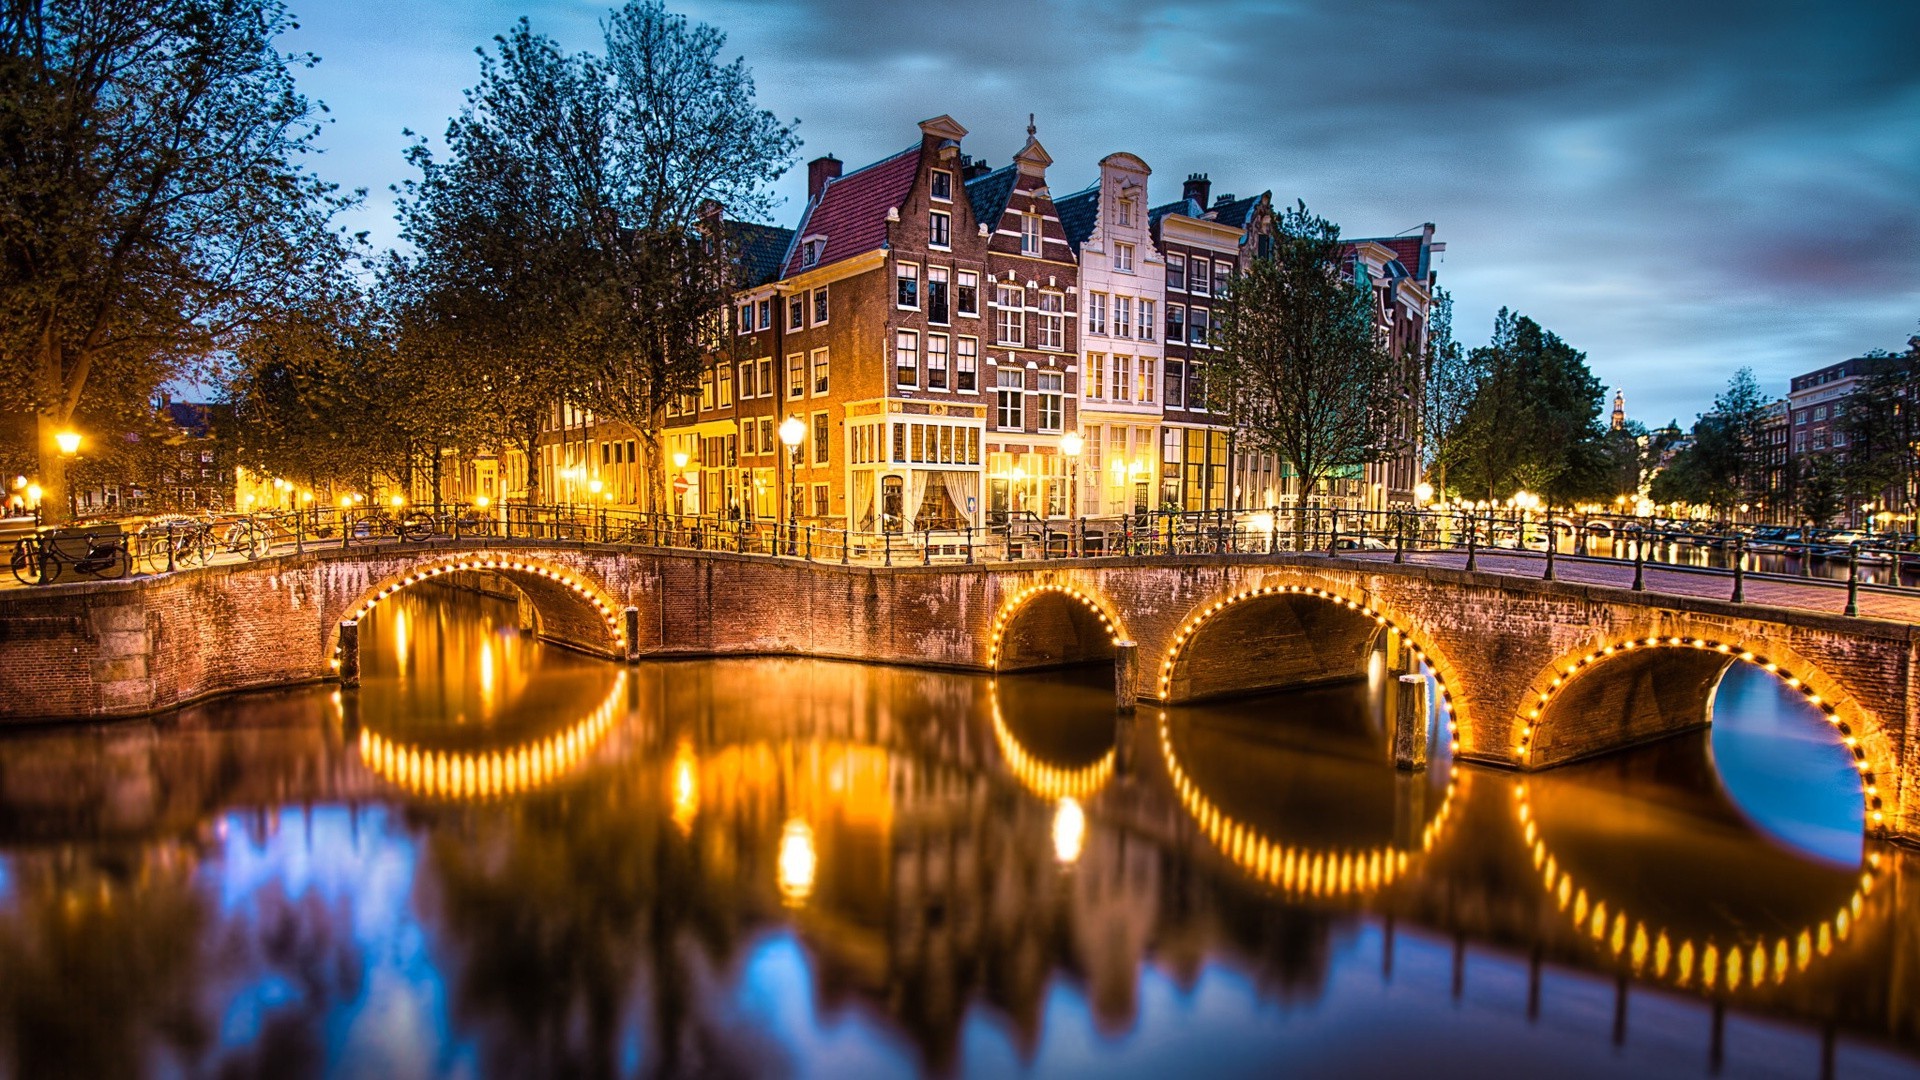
pixel 852 212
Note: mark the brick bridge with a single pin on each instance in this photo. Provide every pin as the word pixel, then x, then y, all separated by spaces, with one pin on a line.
pixel 1534 673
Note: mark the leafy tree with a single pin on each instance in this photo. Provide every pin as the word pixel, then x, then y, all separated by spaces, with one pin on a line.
pixel 1727 462
pixel 1819 488
pixel 1881 429
pixel 1301 359
pixel 152 204
pixel 1534 422
pixel 561 240
pixel 1451 377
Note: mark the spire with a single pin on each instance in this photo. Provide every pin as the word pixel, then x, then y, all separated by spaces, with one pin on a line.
pixel 1032 130
pixel 1619 409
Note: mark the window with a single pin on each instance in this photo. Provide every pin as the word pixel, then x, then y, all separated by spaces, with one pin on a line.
pixel 1839 438
pixel 766 314
pixel 1213 327
pixel 796 312
pixel 1197 280
pixel 748 445
pixel 1800 445
pixel 906 358
pixel 820 305
pixel 1010 392
pixel 819 372
pixel 821 500
pixel 1148 322
pixel 966 363
pixel 1123 316
pixel 726 385
pixel 1144 384
pixel 1819 442
pixel 1176 323
pixel 1095 379
pixel 796 375
pixel 940 184
pixel 1010 318
pixel 936 361
pixel 1097 313
pixel 1123 213
pixel 1176 272
pixel 1820 413
pixel 940 229
pixel 1176 385
pixel 1053 321
pixel 1030 235
pixel 1123 258
pixel 766 435
pixel 706 389
pixel 1222 271
pixel 811 251
pixel 1052 400
pixel 822 438
pixel 1120 379
pixel 937 295
pixel 1197 327
pixel 966 293
pixel 764 376
pixel 907 283
pixel 1197 387
pixel 745 325
pixel 746 379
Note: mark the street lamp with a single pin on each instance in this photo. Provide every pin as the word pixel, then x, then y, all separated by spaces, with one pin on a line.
pixel 679 484
pixel 1071 446
pixel 791 432
pixel 1423 493
pixel 68 441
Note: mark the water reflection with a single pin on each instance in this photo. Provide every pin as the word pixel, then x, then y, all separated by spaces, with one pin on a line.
pixel 768 867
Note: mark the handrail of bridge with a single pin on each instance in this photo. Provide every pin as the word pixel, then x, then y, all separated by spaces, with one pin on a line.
pixel 1851 561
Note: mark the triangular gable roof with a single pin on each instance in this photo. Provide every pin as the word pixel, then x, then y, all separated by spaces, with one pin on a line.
pixel 1235 213
pixel 989 195
pixel 1079 213
pixel 852 210
pixel 763 248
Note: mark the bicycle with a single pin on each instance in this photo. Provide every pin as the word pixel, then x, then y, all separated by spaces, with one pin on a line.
pixel 247 536
pixel 38 560
pixel 175 543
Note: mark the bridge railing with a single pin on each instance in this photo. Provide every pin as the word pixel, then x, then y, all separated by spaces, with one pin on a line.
pixel 1503 541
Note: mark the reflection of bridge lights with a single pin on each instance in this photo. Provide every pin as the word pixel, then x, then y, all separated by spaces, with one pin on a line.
pixel 1069 831
pixel 797 862
pixel 486 676
pixel 1710 965
pixel 494 773
pixel 1193 625
pixel 1523 749
pixel 1299 869
pixel 1012 607
pixel 491 562
pixel 1046 781
pixel 686 786
pixel 400 640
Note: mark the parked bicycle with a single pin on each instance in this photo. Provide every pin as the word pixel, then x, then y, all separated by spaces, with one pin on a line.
pixel 41 559
pixel 174 543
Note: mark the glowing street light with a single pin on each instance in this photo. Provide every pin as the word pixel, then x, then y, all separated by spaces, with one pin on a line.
pixel 1071 446
pixel 398 501
pixel 791 432
pixel 1423 493
pixel 68 441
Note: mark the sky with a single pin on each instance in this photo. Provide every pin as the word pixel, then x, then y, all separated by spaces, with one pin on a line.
pixel 1677 187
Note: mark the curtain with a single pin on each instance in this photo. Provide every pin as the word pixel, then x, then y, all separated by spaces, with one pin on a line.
pixel 861 512
pixel 961 486
pixel 915 492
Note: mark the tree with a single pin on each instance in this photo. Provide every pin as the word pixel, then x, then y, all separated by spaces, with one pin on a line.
pixel 1881 430
pixel 1819 489
pixel 1451 376
pixel 1534 422
pixel 1300 359
pixel 564 228
pixel 1726 465
pixel 152 207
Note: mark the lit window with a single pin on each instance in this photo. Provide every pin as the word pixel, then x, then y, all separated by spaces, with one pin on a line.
pixel 907 285
pixel 906 358
pixel 822 438
pixel 1148 378
pixel 1095 379
pixel 1010 395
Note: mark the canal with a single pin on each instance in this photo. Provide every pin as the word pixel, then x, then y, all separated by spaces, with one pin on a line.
pixel 496 858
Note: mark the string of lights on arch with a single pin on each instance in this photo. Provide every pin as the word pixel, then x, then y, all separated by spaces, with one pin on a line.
pixel 1200 618
pixel 1567 669
pixel 1004 618
pixel 1709 965
pixel 498 564
pixel 492 774
pixel 1049 782
pixel 1316 872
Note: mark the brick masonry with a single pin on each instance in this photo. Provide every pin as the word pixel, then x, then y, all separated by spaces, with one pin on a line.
pixel 126 648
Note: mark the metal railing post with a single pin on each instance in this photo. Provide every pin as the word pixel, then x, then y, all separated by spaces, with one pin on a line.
pixel 1739 570
pixel 846 544
pixel 1473 548
pixel 1046 539
pixel 169 547
pixel 1333 541
pixel 1639 564
pixel 886 535
pixel 809 543
pixel 299 533
pixel 969 544
pixel 926 547
pixel 1548 576
pixel 1853 578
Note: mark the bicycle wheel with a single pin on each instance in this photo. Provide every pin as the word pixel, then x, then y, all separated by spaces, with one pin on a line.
pixel 153 551
pixel 104 561
pixel 32 566
pixel 415 527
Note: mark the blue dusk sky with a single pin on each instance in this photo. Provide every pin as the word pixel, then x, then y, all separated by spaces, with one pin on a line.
pixel 1677 188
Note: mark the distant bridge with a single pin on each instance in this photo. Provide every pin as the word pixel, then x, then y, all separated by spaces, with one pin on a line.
pixel 1535 673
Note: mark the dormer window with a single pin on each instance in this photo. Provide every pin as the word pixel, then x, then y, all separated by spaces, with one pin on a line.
pixel 812 249
pixel 941 185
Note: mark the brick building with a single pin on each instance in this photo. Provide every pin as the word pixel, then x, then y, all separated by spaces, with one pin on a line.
pixel 1201 244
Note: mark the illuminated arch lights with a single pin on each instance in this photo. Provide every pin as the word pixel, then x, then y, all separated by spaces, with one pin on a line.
pixel 1011 609
pixel 1049 782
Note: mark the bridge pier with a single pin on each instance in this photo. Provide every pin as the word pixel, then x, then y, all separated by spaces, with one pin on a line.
pixel 1126 675
pixel 630 625
pixel 350 652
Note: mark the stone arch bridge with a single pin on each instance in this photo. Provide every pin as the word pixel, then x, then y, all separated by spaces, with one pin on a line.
pixel 1536 673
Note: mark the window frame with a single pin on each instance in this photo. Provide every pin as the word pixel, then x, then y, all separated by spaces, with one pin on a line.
pixel 937 374
pixel 940 230
pixel 1009 405
pixel 819 371
pixel 1033 227
pixel 820 307
pixel 1123 257
pixel 906 277
pixel 966 284
pixel 906 343
pixel 1010 316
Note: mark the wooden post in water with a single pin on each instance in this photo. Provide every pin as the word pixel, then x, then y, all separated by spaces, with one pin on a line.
pixel 349 652
pixel 630 625
pixel 1126 675
pixel 1410 723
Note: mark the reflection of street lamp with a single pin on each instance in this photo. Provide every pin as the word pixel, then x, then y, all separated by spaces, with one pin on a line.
pixel 1069 831
pixel 1071 446
pixel 797 862
pixel 791 432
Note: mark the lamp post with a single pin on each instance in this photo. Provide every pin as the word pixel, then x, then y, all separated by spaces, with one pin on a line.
pixel 69 443
pixel 791 432
pixel 679 485
pixel 1071 446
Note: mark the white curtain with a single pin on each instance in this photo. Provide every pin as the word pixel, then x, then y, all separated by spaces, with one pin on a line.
pixel 916 492
pixel 961 486
pixel 861 512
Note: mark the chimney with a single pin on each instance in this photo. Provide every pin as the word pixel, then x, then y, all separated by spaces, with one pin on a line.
pixel 1223 200
pixel 819 171
pixel 1197 189
pixel 710 211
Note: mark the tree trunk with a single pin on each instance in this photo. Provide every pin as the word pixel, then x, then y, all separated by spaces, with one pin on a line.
pixel 656 440
pixel 1307 486
pixel 53 467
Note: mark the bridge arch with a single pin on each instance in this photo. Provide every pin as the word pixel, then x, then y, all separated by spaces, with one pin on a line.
pixel 1364 623
pixel 1664 684
pixel 1077 628
pixel 572 609
pixel 1044 779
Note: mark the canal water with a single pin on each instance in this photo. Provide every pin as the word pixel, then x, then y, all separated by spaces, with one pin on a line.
pixel 496 858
